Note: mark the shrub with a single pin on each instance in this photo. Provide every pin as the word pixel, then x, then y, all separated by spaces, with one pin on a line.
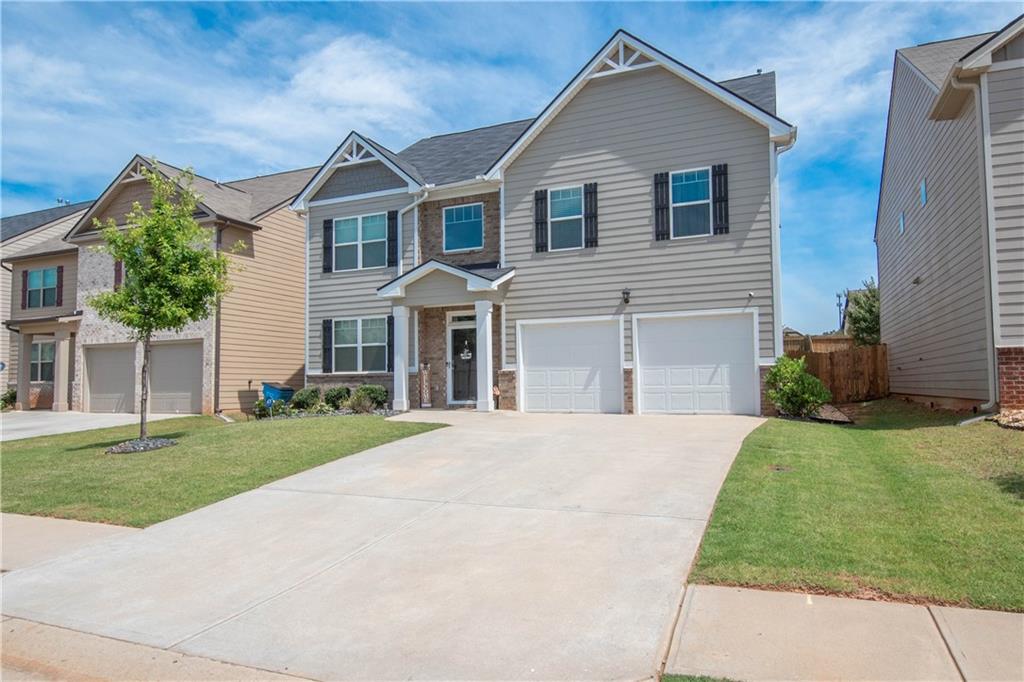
pixel 9 397
pixel 336 397
pixel 306 398
pixel 278 408
pixel 361 402
pixel 793 390
pixel 376 393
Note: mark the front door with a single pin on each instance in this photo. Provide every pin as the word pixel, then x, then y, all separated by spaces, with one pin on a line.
pixel 462 361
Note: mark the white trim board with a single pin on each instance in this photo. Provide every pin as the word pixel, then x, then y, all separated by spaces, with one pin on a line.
pixel 396 287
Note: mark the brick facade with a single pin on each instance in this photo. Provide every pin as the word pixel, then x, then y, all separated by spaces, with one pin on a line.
pixel 1011 377
pixel 353 381
pixel 433 345
pixel 767 409
pixel 508 387
pixel 431 223
pixel 627 391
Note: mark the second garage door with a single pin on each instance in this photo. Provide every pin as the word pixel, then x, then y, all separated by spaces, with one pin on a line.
pixel 572 366
pixel 176 378
pixel 110 376
pixel 701 364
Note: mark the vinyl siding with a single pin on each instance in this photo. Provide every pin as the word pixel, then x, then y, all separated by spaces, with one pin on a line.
pixel 362 178
pixel 935 330
pixel 619 131
pixel 70 263
pixel 261 318
pixel 120 204
pixel 1006 124
pixel 351 293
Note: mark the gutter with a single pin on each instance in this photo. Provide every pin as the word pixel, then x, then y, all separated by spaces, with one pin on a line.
pixel 416 228
pixel 990 259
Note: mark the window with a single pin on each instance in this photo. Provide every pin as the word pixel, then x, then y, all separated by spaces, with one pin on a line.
pixel 565 208
pixel 42 288
pixel 691 203
pixel 41 366
pixel 902 222
pixel 361 242
pixel 924 191
pixel 463 228
pixel 361 345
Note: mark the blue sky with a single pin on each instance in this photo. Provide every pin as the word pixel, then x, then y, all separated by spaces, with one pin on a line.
pixel 247 88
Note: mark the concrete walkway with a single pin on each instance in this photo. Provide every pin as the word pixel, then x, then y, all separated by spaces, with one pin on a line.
pixel 28 540
pixel 15 425
pixel 753 635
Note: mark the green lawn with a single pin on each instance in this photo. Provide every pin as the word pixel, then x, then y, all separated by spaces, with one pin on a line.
pixel 905 504
pixel 70 476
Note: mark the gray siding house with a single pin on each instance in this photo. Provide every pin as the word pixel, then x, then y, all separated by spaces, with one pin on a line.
pixel 950 225
pixel 617 253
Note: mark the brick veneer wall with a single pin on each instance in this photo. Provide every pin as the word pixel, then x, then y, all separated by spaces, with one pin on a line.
pixel 508 388
pixel 1011 377
pixel 433 342
pixel 767 409
pixel 353 381
pixel 627 390
pixel 431 223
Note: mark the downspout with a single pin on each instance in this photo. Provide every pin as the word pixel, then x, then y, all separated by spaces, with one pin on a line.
pixel 985 157
pixel 216 339
pixel 416 228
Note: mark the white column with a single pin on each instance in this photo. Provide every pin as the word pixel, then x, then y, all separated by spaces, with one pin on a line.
pixel 484 357
pixel 24 367
pixel 401 361
pixel 61 367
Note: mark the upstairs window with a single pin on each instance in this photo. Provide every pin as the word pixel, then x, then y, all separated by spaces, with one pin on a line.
pixel 565 218
pixel 361 345
pixel 41 365
pixel 42 288
pixel 361 243
pixel 691 203
pixel 924 191
pixel 463 228
pixel 902 223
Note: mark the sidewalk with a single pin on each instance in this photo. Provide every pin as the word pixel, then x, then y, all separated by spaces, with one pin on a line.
pixel 750 635
pixel 27 540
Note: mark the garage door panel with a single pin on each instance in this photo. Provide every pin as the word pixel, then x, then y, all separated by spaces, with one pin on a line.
pixel 176 378
pixel 572 367
pixel 110 373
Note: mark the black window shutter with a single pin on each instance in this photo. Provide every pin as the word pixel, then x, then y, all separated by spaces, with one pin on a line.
pixel 24 289
pixel 391 343
pixel 590 215
pixel 118 274
pixel 60 285
pixel 540 221
pixel 328 245
pixel 392 239
pixel 720 197
pixel 327 346
pixel 661 207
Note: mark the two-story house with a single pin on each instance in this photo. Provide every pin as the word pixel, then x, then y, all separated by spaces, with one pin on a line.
pixel 617 253
pixel 950 225
pixel 255 335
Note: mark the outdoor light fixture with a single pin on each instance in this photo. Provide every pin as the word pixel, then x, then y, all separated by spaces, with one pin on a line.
pixel 625 296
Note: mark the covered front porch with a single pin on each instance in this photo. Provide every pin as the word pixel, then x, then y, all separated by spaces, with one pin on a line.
pixel 45 362
pixel 456 312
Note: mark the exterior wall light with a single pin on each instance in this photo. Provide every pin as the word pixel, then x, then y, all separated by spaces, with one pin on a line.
pixel 625 296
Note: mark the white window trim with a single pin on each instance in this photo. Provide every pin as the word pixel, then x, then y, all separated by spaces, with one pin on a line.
pixel 444 228
pixel 41 290
pixel 672 205
pixel 359 243
pixel 358 345
pixel 33 365
pixel 583 210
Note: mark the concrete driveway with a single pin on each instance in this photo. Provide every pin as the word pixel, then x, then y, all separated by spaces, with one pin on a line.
pixel 29 423
pixel 508 546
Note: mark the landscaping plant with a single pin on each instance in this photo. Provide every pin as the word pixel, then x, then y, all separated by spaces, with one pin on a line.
pixel 375 393
pixel 173 274
pixel 336 397
pixel 306 398
pixel 793 390
pixel 862 314
pixel 9 397
pixel 360 403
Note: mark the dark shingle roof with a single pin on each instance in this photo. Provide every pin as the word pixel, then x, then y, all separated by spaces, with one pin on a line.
pixel 443 159
pixel 268 191
pixel 757 88
pixel 48 246
pixel 935 60
pixel 15 225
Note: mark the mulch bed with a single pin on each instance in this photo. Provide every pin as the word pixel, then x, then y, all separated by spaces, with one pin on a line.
pixel 1010 419
pixel 382 412
pixel 140 445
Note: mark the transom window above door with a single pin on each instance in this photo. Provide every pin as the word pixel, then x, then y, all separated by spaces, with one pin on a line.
pixel 691 203
pixel 361 242
pixel 42 288
pixel 361 345
pixel 565 209
pixel 463 228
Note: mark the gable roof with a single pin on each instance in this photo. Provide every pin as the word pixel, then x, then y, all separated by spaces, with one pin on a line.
pixel 16 225
pixel 757 88
pixel 453 157
pixel 935 59
pixel 270 191
pixel 477 279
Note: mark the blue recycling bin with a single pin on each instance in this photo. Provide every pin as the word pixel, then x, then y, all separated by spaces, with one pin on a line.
pixel 273 391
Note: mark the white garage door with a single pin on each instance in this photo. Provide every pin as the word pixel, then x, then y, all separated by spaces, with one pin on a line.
pixel 572 366
pixel 176 378
pixel 696 365
pixel 110 373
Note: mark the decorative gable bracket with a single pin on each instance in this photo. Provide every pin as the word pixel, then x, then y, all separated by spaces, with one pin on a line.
pixel 621 58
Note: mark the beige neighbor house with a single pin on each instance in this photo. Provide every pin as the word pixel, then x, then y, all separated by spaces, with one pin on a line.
pixel 950 224
pixel 20 233
pixel 210 366
pixel 618 253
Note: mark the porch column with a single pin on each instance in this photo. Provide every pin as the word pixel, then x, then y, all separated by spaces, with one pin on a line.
pixel 24 369
pixel 484 357
pixel 61 366
pixel 401 361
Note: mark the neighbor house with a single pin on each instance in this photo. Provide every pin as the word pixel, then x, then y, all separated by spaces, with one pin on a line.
pixel 617 253
pixel 19 233
pixel 255 334
pixel 950 223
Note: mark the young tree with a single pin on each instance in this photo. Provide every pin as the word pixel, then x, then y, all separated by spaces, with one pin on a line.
pixel 173 274
pixel 862 314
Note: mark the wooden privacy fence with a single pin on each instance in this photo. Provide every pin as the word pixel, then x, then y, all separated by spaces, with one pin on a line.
pixel 854 374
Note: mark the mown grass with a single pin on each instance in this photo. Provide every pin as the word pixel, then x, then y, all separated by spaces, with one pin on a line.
pixel 903 505
pixel 70 476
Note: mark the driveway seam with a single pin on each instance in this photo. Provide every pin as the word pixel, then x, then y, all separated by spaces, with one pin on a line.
pixel 946 643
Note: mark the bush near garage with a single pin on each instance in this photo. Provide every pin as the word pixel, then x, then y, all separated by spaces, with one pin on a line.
pixel 793 390
pixel 376 393
pixel 336 397
pixel 306 398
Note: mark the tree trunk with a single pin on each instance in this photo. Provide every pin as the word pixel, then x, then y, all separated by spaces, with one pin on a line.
pixel 145 388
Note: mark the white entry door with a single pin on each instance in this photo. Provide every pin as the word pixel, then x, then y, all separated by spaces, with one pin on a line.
pixel 571 366
pixel 697 364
